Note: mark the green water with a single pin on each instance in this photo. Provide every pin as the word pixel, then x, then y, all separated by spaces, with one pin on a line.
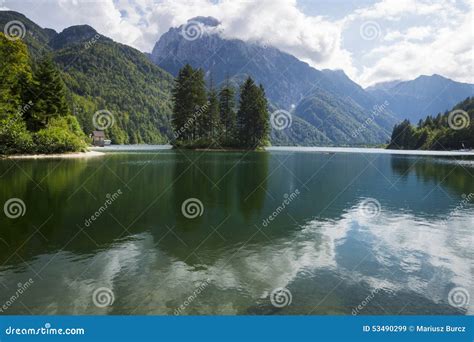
pixel 392 232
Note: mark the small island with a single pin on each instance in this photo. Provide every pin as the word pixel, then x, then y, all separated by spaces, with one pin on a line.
pixel 208 118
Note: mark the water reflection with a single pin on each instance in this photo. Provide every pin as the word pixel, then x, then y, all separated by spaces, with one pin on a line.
pixel 322 248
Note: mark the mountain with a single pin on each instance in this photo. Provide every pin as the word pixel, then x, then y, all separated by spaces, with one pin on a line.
pixel 105 75
pixel 425 95
pixel 288 83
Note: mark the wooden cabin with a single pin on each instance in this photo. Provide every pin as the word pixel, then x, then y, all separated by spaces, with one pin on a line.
pixel 98 138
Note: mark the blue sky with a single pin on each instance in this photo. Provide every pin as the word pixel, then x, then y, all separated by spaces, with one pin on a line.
pixel 371 40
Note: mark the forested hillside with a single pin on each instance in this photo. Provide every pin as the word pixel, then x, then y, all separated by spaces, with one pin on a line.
pixel 452 130
pixel 34 113
pixel 102 75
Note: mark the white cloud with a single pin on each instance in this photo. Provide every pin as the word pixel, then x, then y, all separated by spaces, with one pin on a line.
pixel 412 33
pixel 416 37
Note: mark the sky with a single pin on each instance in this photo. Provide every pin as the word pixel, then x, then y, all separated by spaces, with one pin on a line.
pixel 371 40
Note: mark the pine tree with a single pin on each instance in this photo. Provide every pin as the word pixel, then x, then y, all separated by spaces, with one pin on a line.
pixel 189 119
pixel 183 104
pixel 246 109
pixel 199 104
pixel 227 111
pixel 213 113
pixel 252 117
pixel 261 126
pixel 50 93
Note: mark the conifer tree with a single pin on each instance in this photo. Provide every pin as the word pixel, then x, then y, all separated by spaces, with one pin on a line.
pixel 227 111
pixel 50 93
pixel 199 104
pixel 213 113
pixel 252 117
pixel 183 105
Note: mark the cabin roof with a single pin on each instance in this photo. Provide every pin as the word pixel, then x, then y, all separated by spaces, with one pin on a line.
pixel 98 134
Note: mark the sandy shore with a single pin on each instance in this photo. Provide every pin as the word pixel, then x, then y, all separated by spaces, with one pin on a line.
pixel 87 154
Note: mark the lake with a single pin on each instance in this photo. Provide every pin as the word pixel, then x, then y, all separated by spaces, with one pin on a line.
pixel 287 231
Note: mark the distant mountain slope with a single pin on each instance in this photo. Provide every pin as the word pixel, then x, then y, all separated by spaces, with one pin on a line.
pixel 425 95
pixel 287 81
pixel 102 74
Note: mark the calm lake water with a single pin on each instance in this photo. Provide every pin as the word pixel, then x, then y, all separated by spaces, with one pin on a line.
pixel 349 233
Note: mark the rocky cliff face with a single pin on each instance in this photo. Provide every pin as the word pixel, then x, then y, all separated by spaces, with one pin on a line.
pixel 288 81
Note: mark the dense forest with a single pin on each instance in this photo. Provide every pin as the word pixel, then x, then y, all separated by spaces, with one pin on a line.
pixel 452 130
pixel 209 118
pixel 34 114
pixel 103 75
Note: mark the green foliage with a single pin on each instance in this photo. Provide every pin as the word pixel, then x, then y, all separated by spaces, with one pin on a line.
pixel 227 111
pixel 14 137
pixel 252 116
pixel 15 75
pixel 120 79
pixel 49 95
pixel 213 124
pixel 59 136
pixel 437 133
pixel 33 106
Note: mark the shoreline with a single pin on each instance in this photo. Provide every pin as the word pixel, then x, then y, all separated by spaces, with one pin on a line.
pixel 316 149
pixel 71 155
